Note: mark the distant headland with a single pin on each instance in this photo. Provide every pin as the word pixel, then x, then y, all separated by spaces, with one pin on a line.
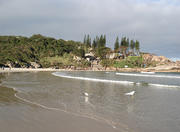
pixel 40 52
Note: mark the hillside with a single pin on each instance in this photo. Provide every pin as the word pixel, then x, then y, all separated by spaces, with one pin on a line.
pixel 18 51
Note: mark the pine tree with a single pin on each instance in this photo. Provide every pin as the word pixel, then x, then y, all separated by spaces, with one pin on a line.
pixel 94 44
pixel 137 47
pixel 116 44
pixel 132 45
pixel 85 40
pixel 104 41
pixel 127 44
pixel 101 41
pixel 88 41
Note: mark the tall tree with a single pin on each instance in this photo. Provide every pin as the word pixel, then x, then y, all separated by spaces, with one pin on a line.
pixel 94 44
pixel 137 47
pixel 104 41
pixel 101 41
pixel 124 46
pixel 132 45
pixel 88 42
pixel 85 40
pixel 116 44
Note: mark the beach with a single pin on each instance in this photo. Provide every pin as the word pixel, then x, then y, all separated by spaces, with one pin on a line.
pixel 55 101
pixel 21 114
pixel 149 69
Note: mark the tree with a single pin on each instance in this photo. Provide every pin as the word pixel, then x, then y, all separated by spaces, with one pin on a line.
pixel 102 52
pixel 124 46
pixel 127 44
pixel 137 47
pixel 88 41
pixel 116 44
pixel 101 41
pixel 94 44
pixel 104 41
pixel 85 40
pixel 132 45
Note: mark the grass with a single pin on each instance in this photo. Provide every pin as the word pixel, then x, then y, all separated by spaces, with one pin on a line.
pixel 63 61
pixel 130 61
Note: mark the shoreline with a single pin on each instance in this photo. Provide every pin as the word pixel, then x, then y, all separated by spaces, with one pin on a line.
pixel 154 69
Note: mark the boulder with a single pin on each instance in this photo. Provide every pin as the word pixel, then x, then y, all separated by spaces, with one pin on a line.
pixel 34 65
pixel 177 63
pixel 89 54
pixel 77 58
pixel 159 60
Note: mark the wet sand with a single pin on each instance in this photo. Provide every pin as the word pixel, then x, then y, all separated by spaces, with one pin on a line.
pixel 18 115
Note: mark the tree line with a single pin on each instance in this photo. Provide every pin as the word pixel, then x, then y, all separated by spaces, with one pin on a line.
pixel 20 51
pixel 98 45
pixel 125 46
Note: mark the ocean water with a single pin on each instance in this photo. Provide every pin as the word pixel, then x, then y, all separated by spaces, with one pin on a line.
pixel 45 101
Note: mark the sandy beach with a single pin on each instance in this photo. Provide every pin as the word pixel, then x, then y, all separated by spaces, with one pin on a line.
pixel 150 69
pixel 41 102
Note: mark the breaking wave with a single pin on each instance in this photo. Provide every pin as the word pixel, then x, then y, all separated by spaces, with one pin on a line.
pixel 92 79
pixel 147 75
pixel 113 81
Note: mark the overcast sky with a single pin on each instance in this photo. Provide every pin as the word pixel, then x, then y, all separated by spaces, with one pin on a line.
pixel 155 23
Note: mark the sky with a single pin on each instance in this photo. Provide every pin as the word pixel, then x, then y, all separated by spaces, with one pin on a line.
pixel 155 23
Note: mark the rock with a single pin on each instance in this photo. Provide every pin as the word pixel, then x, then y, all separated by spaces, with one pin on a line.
pixel 77 58
pixel 114 56
pixel 89 54
pixel 9 64
pixel 177 63
pixel 111 56
pixel 150 59
pixel 34 65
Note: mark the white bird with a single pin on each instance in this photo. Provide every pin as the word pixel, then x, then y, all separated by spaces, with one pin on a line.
pixel 130 93
pixel 86 94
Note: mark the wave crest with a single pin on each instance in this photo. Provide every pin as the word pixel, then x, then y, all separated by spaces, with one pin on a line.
pixel 147 75
pixel 92 79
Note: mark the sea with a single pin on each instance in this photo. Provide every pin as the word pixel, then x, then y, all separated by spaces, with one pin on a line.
pixel 90 101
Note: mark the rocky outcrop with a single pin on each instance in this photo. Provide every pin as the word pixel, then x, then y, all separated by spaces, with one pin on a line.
pixel 177 63
pixel 90 56
pixel 34 65
pixel 114 56
pixel 150 59
pixel 76 58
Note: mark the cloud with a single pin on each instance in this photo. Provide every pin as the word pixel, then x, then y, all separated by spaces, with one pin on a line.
pixel 153 22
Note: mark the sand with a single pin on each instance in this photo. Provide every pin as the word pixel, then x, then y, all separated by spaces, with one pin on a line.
pixel 150 69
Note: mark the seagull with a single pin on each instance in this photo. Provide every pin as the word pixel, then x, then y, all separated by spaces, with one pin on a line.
pixel 86 94
pixel 130 93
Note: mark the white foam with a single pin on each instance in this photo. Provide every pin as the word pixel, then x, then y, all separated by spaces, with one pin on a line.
pixel 148 72
pixel 145 75
pixel 162 85
pixel 92 79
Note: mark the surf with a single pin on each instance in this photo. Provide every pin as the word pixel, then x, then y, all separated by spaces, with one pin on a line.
pixel 147 75
pixel 58 74
pixel 91 79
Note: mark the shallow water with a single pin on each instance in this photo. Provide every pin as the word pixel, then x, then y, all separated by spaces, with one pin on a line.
pixel 44 97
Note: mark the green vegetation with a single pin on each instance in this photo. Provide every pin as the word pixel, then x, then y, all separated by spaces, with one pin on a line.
pixel 98 46
pixel 65 61
pixel 18 51
pixel 127 46
pixel 130 61
pixel 116 44
pixel 107 63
